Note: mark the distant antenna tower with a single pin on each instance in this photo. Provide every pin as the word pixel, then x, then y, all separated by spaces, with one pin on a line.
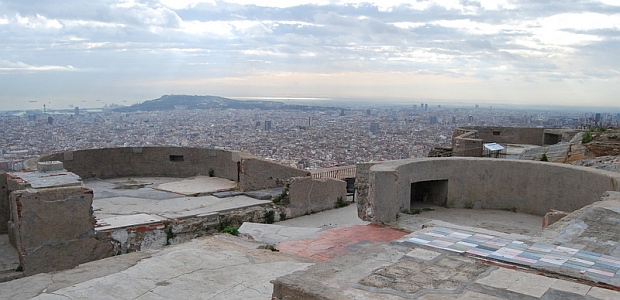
pixel 44 108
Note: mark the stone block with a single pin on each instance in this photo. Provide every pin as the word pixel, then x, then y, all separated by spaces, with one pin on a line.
pixel 47 166
pixel 308 195
pixel 54 229
pixel 553 216
pixel 54 214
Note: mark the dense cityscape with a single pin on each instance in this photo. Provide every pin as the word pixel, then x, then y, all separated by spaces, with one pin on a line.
pixel 303 139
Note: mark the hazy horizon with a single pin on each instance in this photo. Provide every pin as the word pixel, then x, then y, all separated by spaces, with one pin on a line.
pixel 476 52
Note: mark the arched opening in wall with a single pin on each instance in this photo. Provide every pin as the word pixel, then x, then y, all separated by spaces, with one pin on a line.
pixel 431 191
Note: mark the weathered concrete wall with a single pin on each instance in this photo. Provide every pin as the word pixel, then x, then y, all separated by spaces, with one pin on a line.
pixel 466 147
pixel 55 229
pixel 529 186
pixel 148 161
pixel 250 172
pixel 308 195
pixel 4 204
pixel 257 174
pixel 510 135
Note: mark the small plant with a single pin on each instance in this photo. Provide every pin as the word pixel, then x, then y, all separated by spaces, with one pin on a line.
pixel 276 199
pixel 282 216
pixel 19 269
pixel 341 203
pixel 211 172
pixel 273 248
pixel 512 209
pixel 544 157
pixel 601 129
pixel 270 217
pixel 469 205
pixel 587 137
pixel 428 209
pixel 230 230
pixel 169 233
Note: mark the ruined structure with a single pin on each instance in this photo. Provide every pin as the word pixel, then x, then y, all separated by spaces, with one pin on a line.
pixel 469 141
pixel 48 213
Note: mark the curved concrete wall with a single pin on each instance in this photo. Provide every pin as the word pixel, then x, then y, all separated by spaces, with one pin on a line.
pixel 250 172
pixel 529 186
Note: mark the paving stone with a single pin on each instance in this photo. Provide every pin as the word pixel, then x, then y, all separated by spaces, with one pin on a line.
pixel 422 254
pixel 532 285
pixel 501 278
pixel 571 287
pixel 603 294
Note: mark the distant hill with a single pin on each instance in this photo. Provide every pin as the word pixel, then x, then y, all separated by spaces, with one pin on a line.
pixel 170 102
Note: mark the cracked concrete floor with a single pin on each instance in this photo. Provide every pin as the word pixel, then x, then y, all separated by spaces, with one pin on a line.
pixel 214 267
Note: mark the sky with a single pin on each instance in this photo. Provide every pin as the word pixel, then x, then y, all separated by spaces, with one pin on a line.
pixel 531 52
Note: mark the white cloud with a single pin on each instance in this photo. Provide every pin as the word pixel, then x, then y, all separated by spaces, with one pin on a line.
pixel 582 21
pixel 181 4
pixel 6 65
pixel 37 22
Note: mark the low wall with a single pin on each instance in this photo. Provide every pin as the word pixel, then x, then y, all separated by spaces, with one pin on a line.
pixel 258 174
pixel 467 147
pixel 4 204
pixel 250 172
pixel 309 195
pixel 148 161
pixel 527 186
pixel 510 135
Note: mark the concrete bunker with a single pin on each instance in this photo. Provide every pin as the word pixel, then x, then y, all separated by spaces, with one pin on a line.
pixel 532 187
pixel 429 191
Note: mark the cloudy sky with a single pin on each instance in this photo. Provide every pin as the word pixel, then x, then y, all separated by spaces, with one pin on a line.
pixel 63 52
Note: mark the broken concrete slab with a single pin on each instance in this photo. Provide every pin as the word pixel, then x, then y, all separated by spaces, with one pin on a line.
pixel 274 234
pixel 267 194
pixel 127 220
pixel 169 208
pixel 226 194
pixel 197 186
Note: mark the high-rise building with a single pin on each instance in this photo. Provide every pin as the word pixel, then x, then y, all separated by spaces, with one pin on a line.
pixel 368 111
pixel 374 127
pixel 453 119
pixel 342 112
pixel 470 119
pixel 597 117
pixel 426 106
pixel 267 125
pixel 433 120
pixel 77 111
pixel 50 120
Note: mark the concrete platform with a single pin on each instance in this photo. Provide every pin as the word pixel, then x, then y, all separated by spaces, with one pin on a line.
pixel 121 202
pixel 214 267
pixel 169 208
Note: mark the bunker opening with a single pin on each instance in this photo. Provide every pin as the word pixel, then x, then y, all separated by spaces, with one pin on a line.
pixel 429 192
pixel 176 158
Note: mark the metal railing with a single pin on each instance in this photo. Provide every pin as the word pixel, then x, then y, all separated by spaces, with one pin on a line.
pixel 334 172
